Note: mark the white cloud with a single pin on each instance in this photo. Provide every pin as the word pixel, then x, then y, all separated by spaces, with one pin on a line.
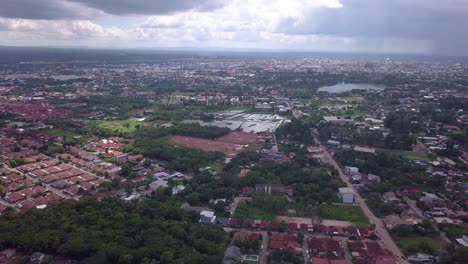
pixel 319 25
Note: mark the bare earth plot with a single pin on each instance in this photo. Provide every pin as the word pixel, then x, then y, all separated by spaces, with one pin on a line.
pixel 238 137
pixel 230 149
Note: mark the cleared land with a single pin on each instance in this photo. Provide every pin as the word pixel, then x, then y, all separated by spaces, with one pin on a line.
pixel 244 211
pixel 297 220
pixel 348 213
pixel 230 149
pixel 406 154
pixel 413 244
pixel 238 137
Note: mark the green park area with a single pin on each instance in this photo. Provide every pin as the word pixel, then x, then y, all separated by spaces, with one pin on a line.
pixel 348 213
pixel 246 211
pixel 116 126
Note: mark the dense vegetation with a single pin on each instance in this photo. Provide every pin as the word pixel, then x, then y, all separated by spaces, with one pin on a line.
pixel 113 231
pixel 295 131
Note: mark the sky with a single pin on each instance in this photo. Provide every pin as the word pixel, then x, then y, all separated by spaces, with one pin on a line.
pixel 364 26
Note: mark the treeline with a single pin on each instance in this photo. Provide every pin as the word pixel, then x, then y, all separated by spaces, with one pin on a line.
pixel 114 231
pixel 111 105
pixel 196 130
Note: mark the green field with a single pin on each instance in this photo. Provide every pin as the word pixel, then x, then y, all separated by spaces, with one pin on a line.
pixel 349 213
pixel 416 244
pixel 352 99
pixel 59 132
pixel 217 166
pixel 245 211
pixel 67 135
pixel 117 126
pixel 406 154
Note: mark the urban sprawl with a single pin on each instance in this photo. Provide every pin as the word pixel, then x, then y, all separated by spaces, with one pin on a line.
pixel 232 158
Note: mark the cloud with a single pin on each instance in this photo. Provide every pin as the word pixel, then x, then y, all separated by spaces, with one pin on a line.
pixel 413 26
pixel 45 9
pixel 441 22
pixel 152 7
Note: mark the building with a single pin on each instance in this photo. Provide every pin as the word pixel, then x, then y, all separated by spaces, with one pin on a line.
pixel 207 217
pixel 422 258
pixel 346 195
pixel 121 159
pixel 463 240
pixel 270 188
pixel 338 120
pixel 158 183
pixel 232 255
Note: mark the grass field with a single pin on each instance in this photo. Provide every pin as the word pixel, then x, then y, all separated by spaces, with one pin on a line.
pixel 245 211
pixel 413 244
pixel 352 99
pixel 119 126
pixel 59 132
pixel 406 154
pixel 343 213
pixel 217 166
pixel 67 135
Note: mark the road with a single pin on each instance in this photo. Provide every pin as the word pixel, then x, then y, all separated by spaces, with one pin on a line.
pixel 305 249
pixel 379 227
pixel 262 258
pixel 236 201
pixel 413 206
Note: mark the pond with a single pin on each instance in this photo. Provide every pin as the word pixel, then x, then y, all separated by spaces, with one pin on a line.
pixel 345 87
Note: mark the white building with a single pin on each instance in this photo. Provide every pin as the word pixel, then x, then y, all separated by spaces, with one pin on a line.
pixel 463 240
pixel 346 194
pixel 207 217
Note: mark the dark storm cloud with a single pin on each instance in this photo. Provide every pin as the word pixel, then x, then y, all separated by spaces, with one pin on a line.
pixel 38 9
pixel 151 7
pixel 445 23
pixel 88 9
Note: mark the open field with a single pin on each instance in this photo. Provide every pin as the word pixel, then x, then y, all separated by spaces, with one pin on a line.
pixel 119 126
pixel 238 137
pixel 245 211
pixel 230 149
pixel 348 213
pixel 59 132
pixel 351 99
pixel 411 244
pixel 67 135
pixel 297 220
pixel 406 154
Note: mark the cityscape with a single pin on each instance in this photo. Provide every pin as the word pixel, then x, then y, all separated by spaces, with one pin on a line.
pixel 206 155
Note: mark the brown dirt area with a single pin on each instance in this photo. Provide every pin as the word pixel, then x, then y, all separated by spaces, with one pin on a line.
pixel 238 137
pixel 230 149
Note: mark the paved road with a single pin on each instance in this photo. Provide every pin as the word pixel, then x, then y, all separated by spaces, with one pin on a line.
pixel 305 249
pixel 262 259
pixel 379 227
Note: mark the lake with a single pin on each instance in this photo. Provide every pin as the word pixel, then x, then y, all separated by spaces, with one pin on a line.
pixel 345 87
